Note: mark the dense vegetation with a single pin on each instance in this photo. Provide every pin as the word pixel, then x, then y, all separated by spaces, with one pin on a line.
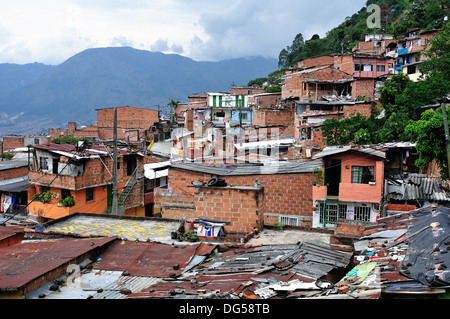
pixel 397 17
pixel 401 116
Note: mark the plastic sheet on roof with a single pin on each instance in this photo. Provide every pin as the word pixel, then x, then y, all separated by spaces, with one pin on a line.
pixel 427 259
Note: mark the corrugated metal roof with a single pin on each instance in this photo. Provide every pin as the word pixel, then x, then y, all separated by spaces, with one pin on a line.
pixel 281 167
pixel 70 150
pixel 11 164
pixel 415 187
pixel 148 259
pixel 15 185
pixel 130 284
pixel 334 150
pixel 22 263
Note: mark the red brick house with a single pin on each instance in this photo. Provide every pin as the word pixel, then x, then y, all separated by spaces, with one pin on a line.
pixel 310 116
pixel 282 193
pixel 316 82
pixel 351 187
pixel 61 171
pixel 132 122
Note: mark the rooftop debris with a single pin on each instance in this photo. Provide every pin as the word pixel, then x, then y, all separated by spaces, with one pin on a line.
pixel 403 254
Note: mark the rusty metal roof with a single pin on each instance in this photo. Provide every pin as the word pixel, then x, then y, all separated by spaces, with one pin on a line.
pixel 9 231
pixel 151 259
pixel 27 261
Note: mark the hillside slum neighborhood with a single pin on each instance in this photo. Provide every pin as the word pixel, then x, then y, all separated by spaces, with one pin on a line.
pixel 234 196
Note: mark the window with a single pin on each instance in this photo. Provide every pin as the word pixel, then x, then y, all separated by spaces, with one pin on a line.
pixel 89 194
pixel 362 213
pixel 163 181
pixel 290 221
pixel 362 174
pixel 331 213
pixel 418 42
pixel 220 114
pixel 342 212
pixel 381 68
pixel 43 162
pixel 411 69
pixel 363 67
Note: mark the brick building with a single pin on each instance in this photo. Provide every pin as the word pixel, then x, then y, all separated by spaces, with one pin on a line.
pixel 73 130
pixel 12 142
pixel 351 188
pixel 310 115
pixel 63 170
pixel 286 191
pixel 314 83
pixel 132 122
pixel 411 52
pixel 355 75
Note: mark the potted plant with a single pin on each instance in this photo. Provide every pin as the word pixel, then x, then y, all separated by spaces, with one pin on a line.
pixel 68 201
pixel 46 197
pixel 372 182
pixel 318 177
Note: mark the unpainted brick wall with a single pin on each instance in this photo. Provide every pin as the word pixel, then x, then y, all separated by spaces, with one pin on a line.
pixel 284 194
pixel 243 209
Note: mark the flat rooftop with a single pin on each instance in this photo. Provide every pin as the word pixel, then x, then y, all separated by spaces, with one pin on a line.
pixel 124 227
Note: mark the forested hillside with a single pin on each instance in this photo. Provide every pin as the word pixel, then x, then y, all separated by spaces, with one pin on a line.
pixel 400 115
pixel 397 17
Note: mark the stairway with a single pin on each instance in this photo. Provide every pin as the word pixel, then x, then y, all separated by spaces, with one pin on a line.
pixel 128 187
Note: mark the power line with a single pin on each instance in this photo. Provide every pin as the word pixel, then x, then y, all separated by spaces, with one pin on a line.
pixel 40 195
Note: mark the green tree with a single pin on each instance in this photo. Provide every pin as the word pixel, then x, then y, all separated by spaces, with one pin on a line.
pixel 173 104
pixel 273 89
pixel 69 139
pixel 428 134
pixel 257 82
pixel 393 88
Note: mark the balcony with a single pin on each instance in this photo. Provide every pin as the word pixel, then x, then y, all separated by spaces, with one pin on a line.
pixel 64 181
pixel 349 192
pixel 50 210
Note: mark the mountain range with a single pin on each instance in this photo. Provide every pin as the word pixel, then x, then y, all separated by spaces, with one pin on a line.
pixel 35 97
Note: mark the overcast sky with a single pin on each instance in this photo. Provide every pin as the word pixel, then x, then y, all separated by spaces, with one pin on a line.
pixel 51 31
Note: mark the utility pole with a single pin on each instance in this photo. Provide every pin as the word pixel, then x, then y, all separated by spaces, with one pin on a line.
pixel 447 140
pixel 114 208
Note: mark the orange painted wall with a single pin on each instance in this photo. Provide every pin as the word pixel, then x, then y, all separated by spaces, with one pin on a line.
pixel 51 210
pixel 351 192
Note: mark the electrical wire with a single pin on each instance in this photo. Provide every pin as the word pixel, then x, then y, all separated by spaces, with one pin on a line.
pixel 40 195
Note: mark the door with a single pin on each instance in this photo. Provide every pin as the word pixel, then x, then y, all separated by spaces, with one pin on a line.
pixel 333 176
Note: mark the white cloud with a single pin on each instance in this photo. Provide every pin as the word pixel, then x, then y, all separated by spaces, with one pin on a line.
pixel 51 31
pixel 162 45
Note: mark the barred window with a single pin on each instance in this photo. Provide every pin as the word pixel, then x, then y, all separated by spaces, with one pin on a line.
pixel 342 211
pixel 43 161
pixel 362 174
pixel 362 213
pixel 290 221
